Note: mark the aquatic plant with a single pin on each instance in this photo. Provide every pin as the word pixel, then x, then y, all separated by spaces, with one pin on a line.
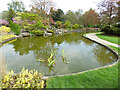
pixel 64 58
pixel 25 79
pixel 51 60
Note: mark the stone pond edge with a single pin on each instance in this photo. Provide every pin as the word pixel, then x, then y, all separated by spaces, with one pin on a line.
pixel 84 35
pixel 114 52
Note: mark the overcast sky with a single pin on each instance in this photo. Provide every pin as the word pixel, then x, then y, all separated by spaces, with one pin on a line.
pixel 65 5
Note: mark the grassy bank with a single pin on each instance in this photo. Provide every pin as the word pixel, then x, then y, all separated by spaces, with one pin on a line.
pixel 101 78
pixel 112 39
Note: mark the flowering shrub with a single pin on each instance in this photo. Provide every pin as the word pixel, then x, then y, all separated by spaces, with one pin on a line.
pixel 4 22
pixel 5 37
pixel 25 79
pixel 4 29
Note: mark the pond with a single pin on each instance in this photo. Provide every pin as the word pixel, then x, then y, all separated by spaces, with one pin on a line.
pixel 81 53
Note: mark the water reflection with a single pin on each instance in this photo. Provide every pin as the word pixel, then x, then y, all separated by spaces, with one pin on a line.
pixel 82 54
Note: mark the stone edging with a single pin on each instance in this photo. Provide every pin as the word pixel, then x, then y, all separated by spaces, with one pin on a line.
pixel 46 77
pixel 116 54
pixel 8 40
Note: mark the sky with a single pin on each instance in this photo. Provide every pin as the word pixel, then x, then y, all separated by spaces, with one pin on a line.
pixel 65 5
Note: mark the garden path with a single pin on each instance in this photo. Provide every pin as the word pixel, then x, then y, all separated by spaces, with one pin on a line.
pixel 93 37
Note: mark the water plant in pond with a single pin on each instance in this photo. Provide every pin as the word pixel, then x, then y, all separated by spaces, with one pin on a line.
pixel 64 58
pixel 51 60
pixel 25 79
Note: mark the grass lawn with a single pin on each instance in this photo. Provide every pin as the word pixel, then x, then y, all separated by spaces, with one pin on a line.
pixel 109 38
pixel 101 78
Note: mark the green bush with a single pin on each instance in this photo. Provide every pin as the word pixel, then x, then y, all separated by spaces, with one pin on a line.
pixel 67 24
pixel 81 26
pixel 29 16
pixel 38 32
pixel 58 24
pixel 110 29
pixel 40 25
pixel 50 31
pixel 25 79
pixel 76 26
pixel 15 28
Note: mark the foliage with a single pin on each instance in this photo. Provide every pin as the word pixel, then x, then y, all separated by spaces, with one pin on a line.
pixel 58 24
pixel 6 36
pixel 39 25
pixel 11 14
pixel 37 32
pixel 110 29
pixel 91 18
pixel 4 29
pixel 5 15
pixel 58 15
pixel 67 24
pixel 74 17
pixel 50 31
pixel 51 60
pixel 76 26
pixel 29 16
pixel 15 28
pixel 81 26
pixel 25 79
pixel 17 6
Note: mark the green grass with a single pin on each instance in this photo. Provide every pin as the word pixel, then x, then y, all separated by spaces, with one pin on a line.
pixel 101 78
pixel 115 49
pixel 109 38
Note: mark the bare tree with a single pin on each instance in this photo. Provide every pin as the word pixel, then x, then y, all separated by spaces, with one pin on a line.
pixel 43 5
pixel 108 11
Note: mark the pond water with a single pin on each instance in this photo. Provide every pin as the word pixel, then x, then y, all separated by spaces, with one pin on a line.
pixel 81 53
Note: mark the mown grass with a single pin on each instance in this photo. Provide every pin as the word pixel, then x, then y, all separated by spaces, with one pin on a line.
pixel 109 38
pixel 101 78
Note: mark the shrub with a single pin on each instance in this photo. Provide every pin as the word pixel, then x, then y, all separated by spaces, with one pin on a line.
pixel 58 24
pixel 4 29
pixel 76 26
pixel 110 29
pixel 15 28
pixel 50 31
pixel 37 32
pixel 6 36
pixel 81 26
pixel 25 79
pixel 67 24
pixel 29 16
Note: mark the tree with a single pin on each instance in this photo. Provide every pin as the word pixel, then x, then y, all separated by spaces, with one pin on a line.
pixel 11 14
pixel 41 6
pixel 5 14
pixel 108 11
pixel 58 15
pixel 70 16
pixel 118 11
pixel 74 17
pixel 91 18
pixel 17 6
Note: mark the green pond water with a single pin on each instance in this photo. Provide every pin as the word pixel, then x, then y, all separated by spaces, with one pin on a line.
pixel 81 53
